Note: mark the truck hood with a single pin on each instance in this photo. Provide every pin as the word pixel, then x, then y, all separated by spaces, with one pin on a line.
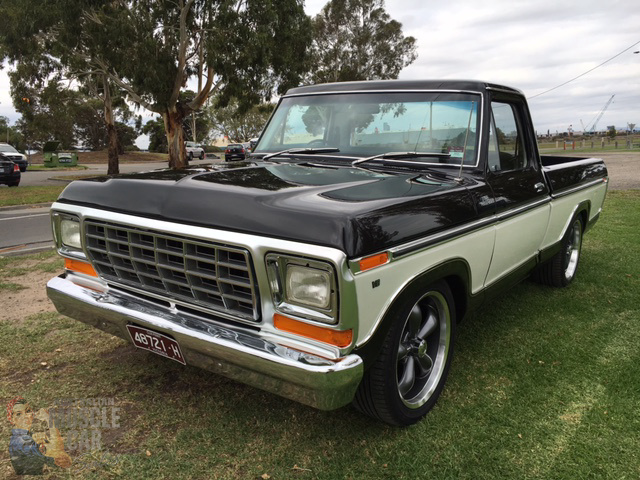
pixel 355 210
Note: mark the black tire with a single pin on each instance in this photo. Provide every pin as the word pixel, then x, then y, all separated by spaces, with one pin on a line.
pixel 408 376
pixel 560 270
pixel 190 156
pixel 201 157
pixel 14 184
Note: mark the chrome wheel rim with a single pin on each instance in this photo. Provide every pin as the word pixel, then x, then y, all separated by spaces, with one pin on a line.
pixel 572 251
pixel 423 349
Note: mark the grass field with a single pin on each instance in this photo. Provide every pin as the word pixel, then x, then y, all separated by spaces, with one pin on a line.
pixel 30 195
pixel 544 384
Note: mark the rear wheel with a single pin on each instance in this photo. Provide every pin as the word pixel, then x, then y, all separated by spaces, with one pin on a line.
pixel 14 184
pixel 405 381
pixel 561 269
pixel 201 157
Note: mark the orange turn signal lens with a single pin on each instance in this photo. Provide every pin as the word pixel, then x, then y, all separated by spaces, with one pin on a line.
pixel 79 267
pixel 373 261
pixel 339 338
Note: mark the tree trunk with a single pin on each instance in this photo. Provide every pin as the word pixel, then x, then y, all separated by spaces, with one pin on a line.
pixel 112 134
pixel 175 139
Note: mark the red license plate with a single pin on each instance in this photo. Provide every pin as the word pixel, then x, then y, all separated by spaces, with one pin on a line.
pixel 156 342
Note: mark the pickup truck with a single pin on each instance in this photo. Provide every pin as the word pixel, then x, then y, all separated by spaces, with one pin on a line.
pixel 335 264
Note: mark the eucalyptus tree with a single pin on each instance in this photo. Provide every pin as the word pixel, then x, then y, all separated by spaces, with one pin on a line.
pixel 358 40
pixel 44 41
pixel 151 49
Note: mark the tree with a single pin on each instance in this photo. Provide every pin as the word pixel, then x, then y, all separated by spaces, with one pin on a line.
pixel 157 137
pixel 358 40
pixel 239 126
pixel 46 36
pixel 240 48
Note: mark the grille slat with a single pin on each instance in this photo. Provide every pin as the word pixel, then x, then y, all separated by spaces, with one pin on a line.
pixel 207 274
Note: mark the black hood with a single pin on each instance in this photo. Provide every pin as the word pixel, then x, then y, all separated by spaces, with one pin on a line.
pixel 355 210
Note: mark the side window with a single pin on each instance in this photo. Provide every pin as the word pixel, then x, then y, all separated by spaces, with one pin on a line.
pixel 506 142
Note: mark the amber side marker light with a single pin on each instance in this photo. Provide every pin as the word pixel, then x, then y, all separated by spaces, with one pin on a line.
pixel 339 338
pixel 373 261
pixel 80 267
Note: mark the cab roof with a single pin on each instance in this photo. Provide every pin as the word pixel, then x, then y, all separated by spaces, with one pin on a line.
pixel 382 85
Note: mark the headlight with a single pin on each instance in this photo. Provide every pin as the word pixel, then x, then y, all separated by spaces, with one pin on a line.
pixel 308 286
pixel 303 287
pixel 70 233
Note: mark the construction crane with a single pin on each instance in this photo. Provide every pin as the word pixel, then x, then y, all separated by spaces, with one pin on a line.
pixel 595 123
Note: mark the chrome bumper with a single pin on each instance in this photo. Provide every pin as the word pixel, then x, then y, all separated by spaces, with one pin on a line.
pixel 240 355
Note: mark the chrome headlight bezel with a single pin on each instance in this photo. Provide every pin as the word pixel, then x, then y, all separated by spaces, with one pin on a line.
pixel 65 228
pixel 281 268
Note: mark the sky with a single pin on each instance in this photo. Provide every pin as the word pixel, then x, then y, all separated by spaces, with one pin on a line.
pixel 530 45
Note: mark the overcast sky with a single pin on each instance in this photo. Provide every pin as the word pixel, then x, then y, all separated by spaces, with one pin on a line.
pixel 533 45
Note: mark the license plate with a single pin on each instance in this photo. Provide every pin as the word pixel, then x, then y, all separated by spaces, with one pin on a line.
pixel 156 342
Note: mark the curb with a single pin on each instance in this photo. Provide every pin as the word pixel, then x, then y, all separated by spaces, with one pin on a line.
pixel 26 249
pixel 25 206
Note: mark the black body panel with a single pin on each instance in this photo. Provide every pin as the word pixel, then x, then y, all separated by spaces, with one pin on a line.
pixel 355 210
pixel 566 173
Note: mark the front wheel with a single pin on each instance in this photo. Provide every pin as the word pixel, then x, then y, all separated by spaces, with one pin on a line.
pixel 407 378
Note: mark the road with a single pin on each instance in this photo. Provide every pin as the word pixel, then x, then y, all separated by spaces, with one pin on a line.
pixel 24 230
pixel 32 178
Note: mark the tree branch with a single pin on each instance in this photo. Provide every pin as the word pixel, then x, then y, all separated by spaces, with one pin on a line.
pixel 182 53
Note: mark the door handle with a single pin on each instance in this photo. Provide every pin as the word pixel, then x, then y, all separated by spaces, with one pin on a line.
pixel 539 187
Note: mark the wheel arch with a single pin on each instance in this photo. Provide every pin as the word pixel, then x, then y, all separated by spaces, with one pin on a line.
pixel 455 272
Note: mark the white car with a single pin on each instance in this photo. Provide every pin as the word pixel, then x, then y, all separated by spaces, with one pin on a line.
pixel 194 150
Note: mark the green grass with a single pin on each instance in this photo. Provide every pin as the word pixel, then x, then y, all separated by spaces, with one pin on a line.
pixel 42 168
pixel 544 384
pixel 29 195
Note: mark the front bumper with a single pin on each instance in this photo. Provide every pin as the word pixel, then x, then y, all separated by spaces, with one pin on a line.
pixel 233 352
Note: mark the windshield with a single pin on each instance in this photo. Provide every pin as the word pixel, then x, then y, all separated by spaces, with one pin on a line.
pixel 367 124
pixel 7 148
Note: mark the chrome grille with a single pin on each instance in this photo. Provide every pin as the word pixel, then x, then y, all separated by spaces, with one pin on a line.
pixel 196 272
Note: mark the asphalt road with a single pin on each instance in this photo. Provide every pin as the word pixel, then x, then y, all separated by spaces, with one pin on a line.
pixel 32 178
pixel 27 229
pixel 24 229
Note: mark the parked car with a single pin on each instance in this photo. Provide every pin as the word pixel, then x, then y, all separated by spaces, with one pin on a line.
pixel 194 150
pixel 15 156
pixel 337 266
pixel 252 143
pixel 235 151
pixel 9 171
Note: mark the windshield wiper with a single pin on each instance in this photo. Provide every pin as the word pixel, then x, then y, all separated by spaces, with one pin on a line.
pixel 308 151
pixel 399 155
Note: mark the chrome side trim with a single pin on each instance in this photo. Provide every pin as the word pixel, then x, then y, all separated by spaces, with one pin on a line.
pixel 523 208
pixel 563 193
pixel 440 237
pixel 576 163
pixel 235 353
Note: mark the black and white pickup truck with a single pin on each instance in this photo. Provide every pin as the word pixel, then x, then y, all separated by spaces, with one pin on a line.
pixel 335 264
